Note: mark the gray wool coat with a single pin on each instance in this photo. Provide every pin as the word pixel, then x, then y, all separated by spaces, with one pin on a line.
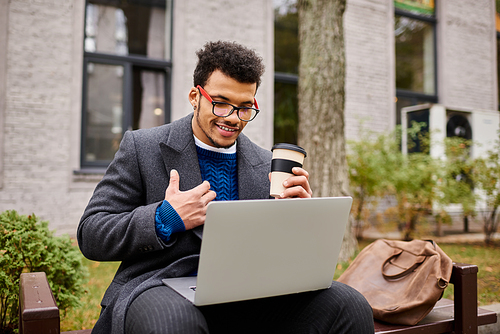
pixel 119 221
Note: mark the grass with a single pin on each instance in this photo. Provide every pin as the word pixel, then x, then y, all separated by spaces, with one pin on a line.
pixel 100 276
pixel 488 261
pixel 487 258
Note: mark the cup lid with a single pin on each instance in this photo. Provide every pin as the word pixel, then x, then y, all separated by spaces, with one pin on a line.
pixel 292 147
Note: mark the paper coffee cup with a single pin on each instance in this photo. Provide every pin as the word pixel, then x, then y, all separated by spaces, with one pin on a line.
pixel 285 157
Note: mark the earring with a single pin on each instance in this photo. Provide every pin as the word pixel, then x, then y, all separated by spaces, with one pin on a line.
pixel 194 107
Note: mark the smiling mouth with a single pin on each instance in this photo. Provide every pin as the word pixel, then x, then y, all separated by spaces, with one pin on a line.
pixel 225 128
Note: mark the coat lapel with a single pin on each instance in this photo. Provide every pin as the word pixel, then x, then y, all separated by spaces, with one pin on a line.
pixel 179 152
pixel 253 169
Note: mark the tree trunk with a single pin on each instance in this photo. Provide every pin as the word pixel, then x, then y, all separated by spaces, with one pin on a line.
pixel 321 102
pixel 490 226
pixel 357 222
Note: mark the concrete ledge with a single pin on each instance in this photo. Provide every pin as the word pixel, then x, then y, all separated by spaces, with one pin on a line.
pixel 493 328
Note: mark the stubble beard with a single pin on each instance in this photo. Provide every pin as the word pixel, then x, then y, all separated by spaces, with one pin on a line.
pixel 214 143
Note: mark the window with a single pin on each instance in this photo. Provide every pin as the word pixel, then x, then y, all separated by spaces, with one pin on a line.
pixel 415 38
pixel 126 73
pixel 286 64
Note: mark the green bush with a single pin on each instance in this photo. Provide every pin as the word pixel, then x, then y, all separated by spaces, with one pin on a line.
pixel 27 245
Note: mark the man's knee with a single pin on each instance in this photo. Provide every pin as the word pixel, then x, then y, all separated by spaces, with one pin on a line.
pixel 160 310
pixel 355 312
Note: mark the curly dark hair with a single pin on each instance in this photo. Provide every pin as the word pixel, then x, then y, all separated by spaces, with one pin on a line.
pixel 232 59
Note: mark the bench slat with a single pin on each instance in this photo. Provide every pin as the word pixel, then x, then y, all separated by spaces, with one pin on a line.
pixel 439 320
pixel 38 311
pixel 38 304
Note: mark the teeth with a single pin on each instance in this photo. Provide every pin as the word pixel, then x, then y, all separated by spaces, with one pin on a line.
pixel 226 129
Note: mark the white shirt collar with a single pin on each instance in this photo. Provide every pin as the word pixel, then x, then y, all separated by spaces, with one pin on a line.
pixel 201 144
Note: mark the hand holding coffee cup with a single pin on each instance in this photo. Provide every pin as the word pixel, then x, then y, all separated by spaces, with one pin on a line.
pixel 285 157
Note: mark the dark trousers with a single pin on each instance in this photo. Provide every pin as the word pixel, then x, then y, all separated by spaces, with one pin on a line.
pixel 339 309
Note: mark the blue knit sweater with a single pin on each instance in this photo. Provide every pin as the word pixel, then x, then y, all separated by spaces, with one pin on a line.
pixel 220 170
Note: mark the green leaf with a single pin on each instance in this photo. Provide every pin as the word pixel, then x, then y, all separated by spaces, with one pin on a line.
pixel 27 245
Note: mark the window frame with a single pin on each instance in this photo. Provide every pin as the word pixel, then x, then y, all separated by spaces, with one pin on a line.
pixel 128 62
pixel 286 78
pixel 404 93
pixel 126 105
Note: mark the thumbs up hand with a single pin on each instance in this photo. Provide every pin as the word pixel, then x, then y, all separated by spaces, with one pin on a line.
pixel 191 205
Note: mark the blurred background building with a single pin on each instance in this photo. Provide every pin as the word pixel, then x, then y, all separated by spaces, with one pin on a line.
pixel 76 74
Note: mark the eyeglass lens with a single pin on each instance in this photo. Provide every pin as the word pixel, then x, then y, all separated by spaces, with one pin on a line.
pixel 225 109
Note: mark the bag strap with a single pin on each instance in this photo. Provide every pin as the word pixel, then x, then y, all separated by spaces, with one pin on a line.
pixel 405 271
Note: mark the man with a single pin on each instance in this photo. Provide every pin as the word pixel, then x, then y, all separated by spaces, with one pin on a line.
pixel 149 209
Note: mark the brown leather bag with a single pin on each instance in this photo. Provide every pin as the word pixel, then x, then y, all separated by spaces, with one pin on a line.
pixel 402 280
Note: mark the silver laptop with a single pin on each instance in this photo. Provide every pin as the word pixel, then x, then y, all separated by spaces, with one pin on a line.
pixel 262 248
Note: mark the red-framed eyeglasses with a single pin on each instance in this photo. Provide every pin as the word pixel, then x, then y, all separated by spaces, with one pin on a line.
pixel 223 109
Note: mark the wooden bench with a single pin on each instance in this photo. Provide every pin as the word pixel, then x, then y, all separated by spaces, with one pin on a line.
pixel 39 313
pixel 459 316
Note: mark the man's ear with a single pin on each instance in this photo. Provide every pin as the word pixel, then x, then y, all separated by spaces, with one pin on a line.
pixel 193 96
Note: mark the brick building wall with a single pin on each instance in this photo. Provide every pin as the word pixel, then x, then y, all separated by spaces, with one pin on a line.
pixel 369 47
pixel 467 65
pixel 41 59
pixel 42 94
pixel 37 115
pixel 222 19
pixel 466 60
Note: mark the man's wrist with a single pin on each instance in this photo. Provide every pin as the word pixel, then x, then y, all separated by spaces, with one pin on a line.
pixel 167 221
